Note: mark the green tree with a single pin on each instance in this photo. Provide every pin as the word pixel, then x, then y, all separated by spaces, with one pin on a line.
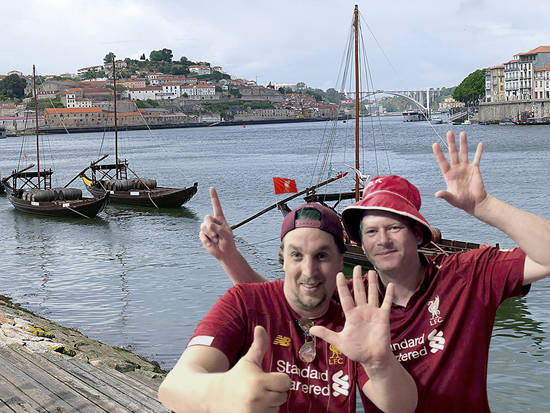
pixel 13 87
pixel 179 70
pixel 109 57
pixel 235 93
pixel 164 55
pixel 472 88
pixel 333 95
pixel 215 76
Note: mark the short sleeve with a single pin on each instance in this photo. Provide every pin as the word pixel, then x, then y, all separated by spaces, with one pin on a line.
pixel 224 327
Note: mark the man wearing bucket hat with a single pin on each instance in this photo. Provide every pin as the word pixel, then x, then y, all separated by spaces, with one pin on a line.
pixel 256 350
pixel 443 308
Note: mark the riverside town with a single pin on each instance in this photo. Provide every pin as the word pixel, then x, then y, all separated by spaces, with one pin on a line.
pixel 161 92
pixel 155 92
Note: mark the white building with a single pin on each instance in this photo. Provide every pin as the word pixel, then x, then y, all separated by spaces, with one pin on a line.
pixel 171 90
pixel 153 78
pixel 144 93
pixel 84 70
pixel 200 91
pixel 200 69
pixel 511 79
pixel 68 99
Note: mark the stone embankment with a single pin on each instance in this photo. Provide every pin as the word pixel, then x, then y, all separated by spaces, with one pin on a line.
pixel 19 326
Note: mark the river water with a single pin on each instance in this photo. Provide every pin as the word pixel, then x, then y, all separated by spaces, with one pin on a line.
pixel 138 278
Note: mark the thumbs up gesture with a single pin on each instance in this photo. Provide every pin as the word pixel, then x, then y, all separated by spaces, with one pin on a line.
pixel 216 235
pixel 248 387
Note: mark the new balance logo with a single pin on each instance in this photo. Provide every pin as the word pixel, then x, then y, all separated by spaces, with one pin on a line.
pixel 282 341
pixel 436 341
pixel 340 384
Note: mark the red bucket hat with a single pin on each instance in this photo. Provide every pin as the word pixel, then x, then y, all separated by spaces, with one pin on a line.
pixel 386 193
pixel 323 218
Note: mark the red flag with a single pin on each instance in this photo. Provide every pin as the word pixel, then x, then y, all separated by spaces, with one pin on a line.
pixel 284 185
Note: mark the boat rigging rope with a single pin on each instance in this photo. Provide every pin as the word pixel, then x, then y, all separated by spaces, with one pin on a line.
pixel 151 199
pixel 443 141
pixel 77 212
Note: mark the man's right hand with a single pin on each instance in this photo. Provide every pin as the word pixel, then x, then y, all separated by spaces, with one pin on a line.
pixel 247 388
pixel 216 235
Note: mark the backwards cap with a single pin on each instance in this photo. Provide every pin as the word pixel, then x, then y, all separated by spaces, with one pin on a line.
pixel 313 215
pixel 386 193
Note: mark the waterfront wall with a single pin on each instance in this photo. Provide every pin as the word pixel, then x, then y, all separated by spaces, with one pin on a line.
pixel 496 111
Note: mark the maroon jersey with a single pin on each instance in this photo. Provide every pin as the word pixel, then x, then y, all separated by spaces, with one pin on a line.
pixel 442 336
pixel 327 384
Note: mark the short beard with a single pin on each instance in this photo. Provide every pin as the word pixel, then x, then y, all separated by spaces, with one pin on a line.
pixel 311 305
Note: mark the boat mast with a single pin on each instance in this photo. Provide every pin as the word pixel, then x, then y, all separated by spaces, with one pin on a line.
pixel 116 134
pixel 356 24
pixel 36 122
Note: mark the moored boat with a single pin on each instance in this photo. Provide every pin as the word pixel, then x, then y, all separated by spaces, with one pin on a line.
pixel 354 255
pixel 413 116
pixel 113 179
pixel 137 191
pixel 31 191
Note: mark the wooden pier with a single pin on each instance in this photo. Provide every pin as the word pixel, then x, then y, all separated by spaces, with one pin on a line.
pixel 53 382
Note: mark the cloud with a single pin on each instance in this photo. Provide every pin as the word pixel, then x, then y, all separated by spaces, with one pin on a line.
pixel 428 42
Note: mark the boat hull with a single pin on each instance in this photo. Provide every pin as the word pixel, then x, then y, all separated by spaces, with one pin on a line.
pixel 82 208
pixel 159 197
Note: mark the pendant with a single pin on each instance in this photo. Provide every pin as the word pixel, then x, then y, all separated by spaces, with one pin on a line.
pixel 307 352
pixel 305 324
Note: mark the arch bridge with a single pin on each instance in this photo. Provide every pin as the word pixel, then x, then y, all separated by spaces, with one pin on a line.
pixel 422 94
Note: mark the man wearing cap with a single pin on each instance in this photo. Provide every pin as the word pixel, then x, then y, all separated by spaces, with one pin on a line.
pixel 257 351
pixel 443 308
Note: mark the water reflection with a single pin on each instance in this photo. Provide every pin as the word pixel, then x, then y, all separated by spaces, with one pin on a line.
pixel 513 319
pixel 118 210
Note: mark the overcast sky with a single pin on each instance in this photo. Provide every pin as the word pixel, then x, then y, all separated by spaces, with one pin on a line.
pixel 420 43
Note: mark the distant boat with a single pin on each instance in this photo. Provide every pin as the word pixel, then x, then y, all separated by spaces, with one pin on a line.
pixel 436 121
pixel 113 179
pixel 467 122
pixel 413 116
pixel 31 191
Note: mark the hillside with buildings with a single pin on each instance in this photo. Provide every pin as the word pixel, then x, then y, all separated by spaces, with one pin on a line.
pixel 197 93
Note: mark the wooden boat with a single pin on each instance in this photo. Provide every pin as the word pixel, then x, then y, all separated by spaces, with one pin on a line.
pixel 113 179
pixel 137 191
pixel 31 191
pixel 354 255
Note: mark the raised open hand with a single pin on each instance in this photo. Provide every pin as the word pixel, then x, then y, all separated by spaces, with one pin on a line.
pixel 215 234
pixel 366 334
pixel 465 188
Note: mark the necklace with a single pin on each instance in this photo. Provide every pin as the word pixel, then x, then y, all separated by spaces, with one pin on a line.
pixel 307 352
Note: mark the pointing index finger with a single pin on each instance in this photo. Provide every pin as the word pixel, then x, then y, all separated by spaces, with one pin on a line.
pixel 216 206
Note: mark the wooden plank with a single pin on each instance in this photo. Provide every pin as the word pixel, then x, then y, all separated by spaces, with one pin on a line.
pixel 145 394
pixel 77 400
pixel 4 408
pixel 116 390
pixel 148 389
pixel 92 399
pixel 14 400
pixel 29 387
pixel 151 383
